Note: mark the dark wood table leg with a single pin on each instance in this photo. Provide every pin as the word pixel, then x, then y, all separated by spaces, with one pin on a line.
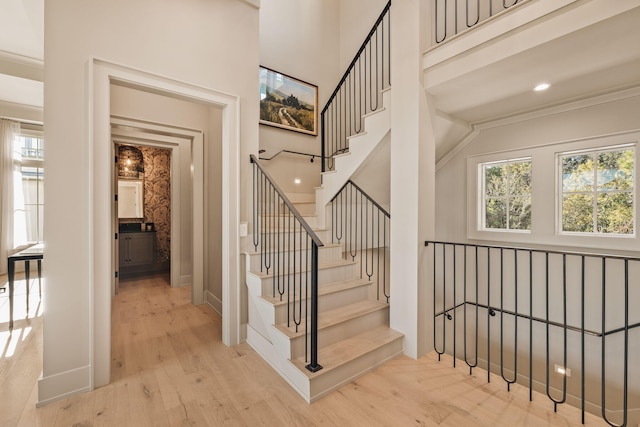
pixel 40 277
pixel 11 273
pixel 27 267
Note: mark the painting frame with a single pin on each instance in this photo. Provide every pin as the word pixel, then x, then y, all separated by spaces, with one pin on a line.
pixel 287 102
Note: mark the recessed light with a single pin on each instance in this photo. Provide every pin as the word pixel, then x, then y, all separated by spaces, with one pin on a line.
pixel 541 87
pixel 297 181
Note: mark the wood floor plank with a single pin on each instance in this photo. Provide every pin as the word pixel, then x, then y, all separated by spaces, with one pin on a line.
pixel 170 368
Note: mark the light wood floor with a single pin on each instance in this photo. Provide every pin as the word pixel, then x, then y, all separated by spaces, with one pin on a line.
pixel 169 368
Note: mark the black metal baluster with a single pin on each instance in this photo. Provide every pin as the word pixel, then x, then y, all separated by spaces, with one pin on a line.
pixel 582 368
pixel 288 277
pixel 454 304
pixel 384 260
pixel 477 12
pixel 279 255
pixel 515 347
pixel 444 36
pixel 466 358
pixel 625 329
pixel 378 260
pixel 306 299
pixel 489 314
pixel 314 366
pixel 370 250
pixel 362 237
pixel 564 302
pixel 444 298
pixel 256 235
pixel 530 326
pixel 435 334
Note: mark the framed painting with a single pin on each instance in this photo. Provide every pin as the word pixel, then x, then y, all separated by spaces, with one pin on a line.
pixel 288 103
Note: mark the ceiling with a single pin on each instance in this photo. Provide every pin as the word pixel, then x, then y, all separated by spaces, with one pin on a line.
pixel 590 54
pixel 21 52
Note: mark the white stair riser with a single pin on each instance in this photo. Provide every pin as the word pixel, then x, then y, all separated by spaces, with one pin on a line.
pixel 324 384
pixel 271 240
pixel 325 275
pixel 329 301
pixel 343 330
pixel 305 208
pixel 283 259
pixel 282 221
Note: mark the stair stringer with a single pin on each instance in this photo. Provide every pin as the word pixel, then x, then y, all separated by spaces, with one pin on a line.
pixel 377 126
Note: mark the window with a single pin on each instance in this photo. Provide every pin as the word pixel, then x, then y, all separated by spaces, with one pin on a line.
pixel 28 189
pixel 597 189
pixel 506 195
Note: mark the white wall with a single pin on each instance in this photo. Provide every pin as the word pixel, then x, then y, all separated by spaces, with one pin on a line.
pixel 356 20
pixel 177 40
pixel 452 201
pixel 300 39
pixel 412 179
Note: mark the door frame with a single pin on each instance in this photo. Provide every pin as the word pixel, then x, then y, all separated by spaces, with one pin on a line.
pixel 101 74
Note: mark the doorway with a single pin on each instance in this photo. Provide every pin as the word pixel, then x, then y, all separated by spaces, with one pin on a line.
pixel 143 205
pixel 176 180
pixel 104 74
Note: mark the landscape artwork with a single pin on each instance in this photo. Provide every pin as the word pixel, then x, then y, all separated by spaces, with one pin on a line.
pixel 288 103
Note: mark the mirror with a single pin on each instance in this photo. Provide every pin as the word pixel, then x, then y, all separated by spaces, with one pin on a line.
pixel 130 200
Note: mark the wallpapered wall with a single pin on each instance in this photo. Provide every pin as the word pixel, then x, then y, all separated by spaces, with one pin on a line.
pixel 157 195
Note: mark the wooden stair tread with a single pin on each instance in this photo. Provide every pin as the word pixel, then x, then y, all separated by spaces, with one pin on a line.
pixel 321 266
pixel 282 215
pixel 336 316
pixel 335 355
pixel 325 289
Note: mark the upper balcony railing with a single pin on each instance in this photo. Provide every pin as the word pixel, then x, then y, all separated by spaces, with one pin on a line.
pixel 454 16
pixel 535 315
pixel 359 91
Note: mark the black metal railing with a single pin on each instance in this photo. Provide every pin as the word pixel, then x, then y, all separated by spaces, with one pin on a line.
pixel 358 92
pixel 556 309
pixel 455 16
pixel 288 250
pixel 312 157
pixel 362 226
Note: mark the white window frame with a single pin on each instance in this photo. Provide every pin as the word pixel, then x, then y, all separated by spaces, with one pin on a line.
pixel 482 225
pixel 545 195
pixel 34 163
pixel 560 191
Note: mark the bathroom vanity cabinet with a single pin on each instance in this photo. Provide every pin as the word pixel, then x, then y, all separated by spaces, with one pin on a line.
pixel 137 248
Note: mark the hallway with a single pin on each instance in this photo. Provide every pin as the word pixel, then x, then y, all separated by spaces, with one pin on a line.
pixel 170 368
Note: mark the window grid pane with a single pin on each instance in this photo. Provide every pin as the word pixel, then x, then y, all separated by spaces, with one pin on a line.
pixel 507 195
pixel 598 192
pixel 29 198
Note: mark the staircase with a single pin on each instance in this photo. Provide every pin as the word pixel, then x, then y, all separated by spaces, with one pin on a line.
pixel 353 332
pixel 318 291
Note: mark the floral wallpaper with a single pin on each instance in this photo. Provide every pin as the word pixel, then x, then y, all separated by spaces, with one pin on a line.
pixel 157 197
pixel 155 171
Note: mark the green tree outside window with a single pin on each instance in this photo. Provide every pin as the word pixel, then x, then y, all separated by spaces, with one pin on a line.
pixel 507 195
pixel 598 192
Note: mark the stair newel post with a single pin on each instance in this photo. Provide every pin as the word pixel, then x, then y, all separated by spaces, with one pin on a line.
pixel 314 366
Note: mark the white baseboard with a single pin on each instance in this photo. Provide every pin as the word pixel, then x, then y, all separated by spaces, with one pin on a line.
pixel 186 280
pixel 213 301
pixel 63 385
